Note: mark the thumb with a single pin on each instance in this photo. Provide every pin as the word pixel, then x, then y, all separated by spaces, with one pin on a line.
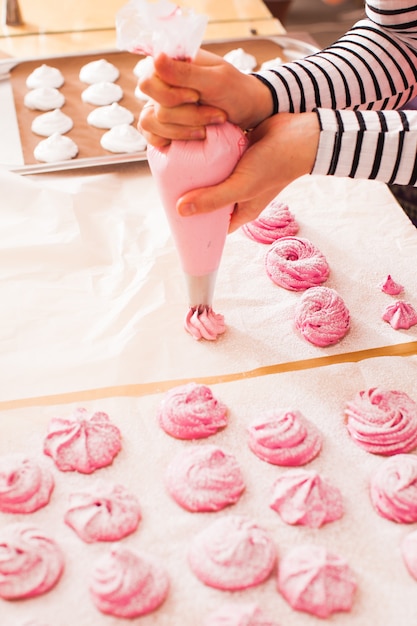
pixel 207 199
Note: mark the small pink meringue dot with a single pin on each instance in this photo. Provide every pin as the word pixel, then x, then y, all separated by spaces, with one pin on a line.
pixel 25 484
pixel 400 315
pixel 128 584
pixel 316 581
pixel 382 421
pixel 204 478
pixel 304 497
pixel 232 553
pixel 103 512
pixel 31 562
pixel 390 287
pixel 238 614
pixel 191 411
pixel 83 441
pixel 296 264
pixel 321 316
pixel 284 437
pixel 274 222
pixel 393 489
pixel 203 323
pixel 409 552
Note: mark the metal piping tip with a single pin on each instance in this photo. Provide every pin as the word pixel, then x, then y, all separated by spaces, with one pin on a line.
pixel 200 289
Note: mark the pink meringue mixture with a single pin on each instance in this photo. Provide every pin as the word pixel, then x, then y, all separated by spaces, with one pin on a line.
pixel 25 485
pixel 321 316
pixel 232 553
pixel 382 421
pixel 191 411
pixel 203 323
pixel 127 584
pixel 31 563
pixel 401 315
pixel 82 442
pixel 391 287
pixel 316 581
pixel 204 478
pixel 409 552
pixel 393 489
pixel 103 512
pixel 306 498
pixel 296 264
pixel 238 615
pixel 284 438
pixel 274 222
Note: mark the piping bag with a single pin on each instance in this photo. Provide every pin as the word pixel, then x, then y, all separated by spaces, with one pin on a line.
pixel 150 29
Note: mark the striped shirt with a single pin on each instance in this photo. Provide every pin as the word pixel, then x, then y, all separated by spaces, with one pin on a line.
pixel 358 86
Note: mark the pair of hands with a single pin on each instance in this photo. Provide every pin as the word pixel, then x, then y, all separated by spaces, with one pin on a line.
pixel 188 96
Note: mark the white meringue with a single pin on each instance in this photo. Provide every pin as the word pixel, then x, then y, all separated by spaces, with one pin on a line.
pixel 55 148
pixel 45 76
pixel 52 122
pixel 44 99
pixel 123 138
pixel 98 71
pixel 101 94
pixel 109 116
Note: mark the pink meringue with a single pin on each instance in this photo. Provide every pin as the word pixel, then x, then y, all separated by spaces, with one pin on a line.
pixel 232 553
pixel 204 478
pixel 83 442
pixel 390 287
pixel 103 512
pixel 316 581
pixel 393 489
pixel 127 584
pixel 400 315
pixel 296 264
pixel 382 421
pixel 321 316
pixel 243 614
pixel 274 222
pixel 409 552
pixel 30 562
pixel 191 411
pixel 25 485
pixel 284 438
pixel 306 498
pixel 203 323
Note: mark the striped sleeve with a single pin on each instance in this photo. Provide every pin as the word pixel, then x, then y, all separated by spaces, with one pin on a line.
pixel 368 144
pixel 373 66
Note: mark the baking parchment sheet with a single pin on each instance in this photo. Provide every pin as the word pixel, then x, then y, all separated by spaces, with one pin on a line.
pixel 386 593
pixel 92 293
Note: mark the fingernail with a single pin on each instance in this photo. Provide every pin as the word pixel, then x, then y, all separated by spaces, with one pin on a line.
pixel 217 119
pixel 198 133
pixel 187 209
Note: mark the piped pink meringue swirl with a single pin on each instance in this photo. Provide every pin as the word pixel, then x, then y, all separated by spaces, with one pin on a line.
pixel 393 489
pixel 103 512
pixel 203 323
pixel 284 438
pixel 391 287
pixel 232 553
pixel 25 485
pixel 382 421
pixel 296 264
pixel 274 222
pixel 30 562
pixel 191 412
pixel 304 497
pixel 127 584
pixel 243 614
pixel 83 442
pixel 321 316
pixel 204 478
pixel 316 581
pixel 400 314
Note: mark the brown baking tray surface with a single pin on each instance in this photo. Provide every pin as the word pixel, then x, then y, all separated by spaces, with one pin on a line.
pixel 87 137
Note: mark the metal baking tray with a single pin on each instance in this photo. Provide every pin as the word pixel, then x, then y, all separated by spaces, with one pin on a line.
pixel 18 141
